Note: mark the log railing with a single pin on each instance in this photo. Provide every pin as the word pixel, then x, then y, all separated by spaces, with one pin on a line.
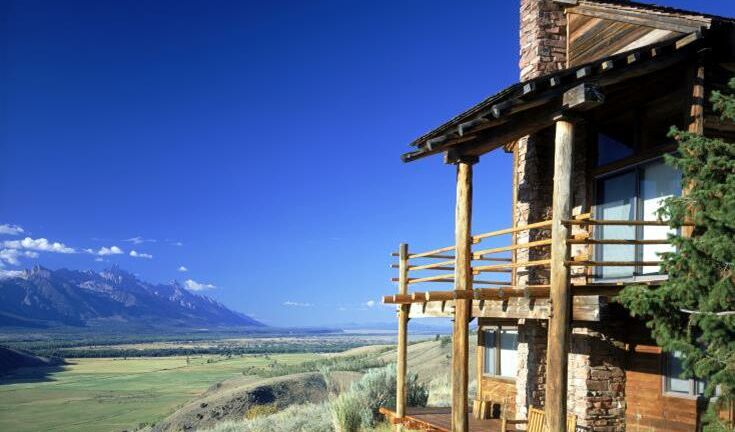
pixel 499 260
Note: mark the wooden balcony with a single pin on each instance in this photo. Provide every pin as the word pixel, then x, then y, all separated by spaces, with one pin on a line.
pixel 496 270
pixel 494 291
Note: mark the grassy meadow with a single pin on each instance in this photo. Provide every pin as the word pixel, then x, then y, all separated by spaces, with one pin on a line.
pixel 115 394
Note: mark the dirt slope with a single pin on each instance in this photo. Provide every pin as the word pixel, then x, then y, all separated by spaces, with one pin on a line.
pixel 231 399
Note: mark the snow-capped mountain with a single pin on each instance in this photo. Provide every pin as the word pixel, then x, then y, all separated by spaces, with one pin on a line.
pixel 40 297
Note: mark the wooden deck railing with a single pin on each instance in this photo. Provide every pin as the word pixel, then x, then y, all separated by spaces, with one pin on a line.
pixel 494 260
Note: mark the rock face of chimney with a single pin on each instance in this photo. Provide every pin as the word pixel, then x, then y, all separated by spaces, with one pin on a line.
pixel 543 38
pixel 543 50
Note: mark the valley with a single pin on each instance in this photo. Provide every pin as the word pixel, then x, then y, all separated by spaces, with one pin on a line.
pixel 198 392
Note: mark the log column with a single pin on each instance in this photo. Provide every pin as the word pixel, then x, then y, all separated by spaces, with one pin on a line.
pixel 696 122
pixel 402 335
pixel 559 319
pixel 462 281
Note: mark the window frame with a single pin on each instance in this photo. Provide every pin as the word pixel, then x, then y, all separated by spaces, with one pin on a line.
pixel 637 168
pixel 495 328
pixel 665 387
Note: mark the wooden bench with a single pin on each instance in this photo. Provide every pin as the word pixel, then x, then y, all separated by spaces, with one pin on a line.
pixel 537 422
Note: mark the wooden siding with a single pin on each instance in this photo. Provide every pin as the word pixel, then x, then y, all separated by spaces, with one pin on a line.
pixel 591 38
pixel 501 391
pixel 648 408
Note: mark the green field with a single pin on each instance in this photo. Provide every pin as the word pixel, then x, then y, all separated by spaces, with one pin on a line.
pixel 115 394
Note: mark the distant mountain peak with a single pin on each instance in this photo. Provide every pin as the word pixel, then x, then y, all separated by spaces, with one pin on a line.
pixel 75 297
pixel 38 271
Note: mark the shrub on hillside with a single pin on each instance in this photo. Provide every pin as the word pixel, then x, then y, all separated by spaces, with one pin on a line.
pixel 358 407
pixel 256 411
pixel 354 363
pixel 348 412
pixel 296 418
pixel 440 391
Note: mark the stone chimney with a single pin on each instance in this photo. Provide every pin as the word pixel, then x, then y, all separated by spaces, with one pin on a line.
pixel 543 38
pixel 543 50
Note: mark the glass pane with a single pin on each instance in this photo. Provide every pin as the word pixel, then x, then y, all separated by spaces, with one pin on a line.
pixel 508 353
pixel 611 149
pixel 617 197
pixel 700 386
pixel 659 182
pixel 490 367
pixel 674 370
pixel 615 140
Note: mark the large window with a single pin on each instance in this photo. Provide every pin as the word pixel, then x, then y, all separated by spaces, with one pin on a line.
pixel 674 383
pixel 500 351
pixel 634 194
pixel 638 132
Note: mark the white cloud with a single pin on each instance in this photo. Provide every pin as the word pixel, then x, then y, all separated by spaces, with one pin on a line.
pixel 370 303
pixel 7 274
pixel 10 256
pixel 178 243
pixel 183 269
pixel 297 304
pixel 106 251
pixel 192 285
pixel 39 244
pixel 139 240
pixel 136 254
pixel 99 259
pixel 9 229
pixel 342 309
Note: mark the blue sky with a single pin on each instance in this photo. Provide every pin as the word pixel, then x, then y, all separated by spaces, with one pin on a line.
pixel 256 144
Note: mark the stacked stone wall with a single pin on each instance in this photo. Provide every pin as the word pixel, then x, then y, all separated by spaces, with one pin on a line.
pixel 542 50
pixel 596 386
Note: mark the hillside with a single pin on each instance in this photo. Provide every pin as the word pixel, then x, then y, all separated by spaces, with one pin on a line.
pixel 11 359
pixel 231 399
pixel 46 298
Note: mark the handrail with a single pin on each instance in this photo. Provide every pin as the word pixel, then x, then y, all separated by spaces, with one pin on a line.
pixel 573 263
pixel 616 242
pixel 490 268
pixel 535 225
pixel 482 252
pixel 439 260
pixel 620 222
pixel 431 252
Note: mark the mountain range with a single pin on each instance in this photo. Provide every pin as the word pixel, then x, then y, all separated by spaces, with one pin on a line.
pixel 112 298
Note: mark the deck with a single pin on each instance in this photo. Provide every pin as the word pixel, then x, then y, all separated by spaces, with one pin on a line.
pixel 438 420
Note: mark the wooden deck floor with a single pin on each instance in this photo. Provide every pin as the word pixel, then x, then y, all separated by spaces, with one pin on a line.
pixel 439 420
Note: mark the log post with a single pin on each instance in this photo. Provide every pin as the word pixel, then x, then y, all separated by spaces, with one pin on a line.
pixel 402 335
pixel 462 281
pixel 696 122
pixel 559 319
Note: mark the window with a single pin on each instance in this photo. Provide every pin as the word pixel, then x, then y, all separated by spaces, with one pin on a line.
pixel 673 381
pixel 501 351
pixel 634 194
pixel 616 140
pixel 637 132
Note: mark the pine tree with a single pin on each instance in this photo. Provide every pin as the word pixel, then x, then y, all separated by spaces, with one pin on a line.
pixel 693 312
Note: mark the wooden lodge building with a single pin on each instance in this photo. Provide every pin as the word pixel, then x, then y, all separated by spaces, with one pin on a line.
pixel 601 83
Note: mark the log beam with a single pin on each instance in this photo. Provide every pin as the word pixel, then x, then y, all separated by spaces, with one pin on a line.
pixel 462 282
pixel 560 294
